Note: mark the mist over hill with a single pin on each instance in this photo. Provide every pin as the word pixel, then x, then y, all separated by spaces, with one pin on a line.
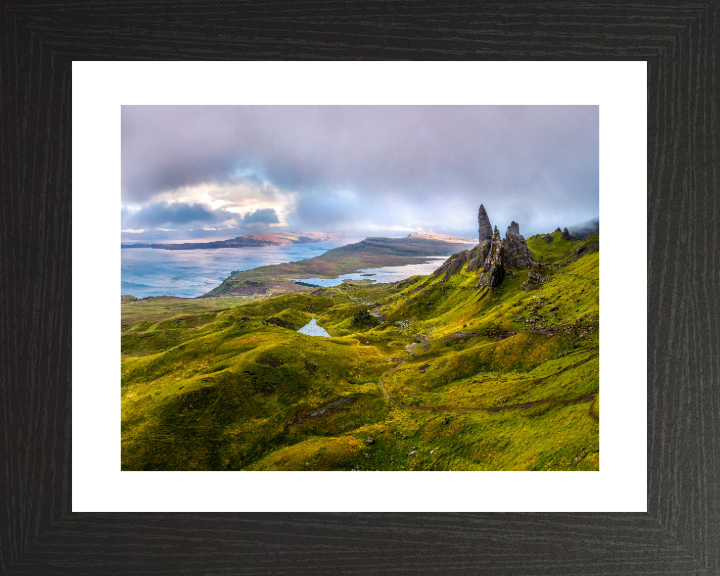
pixel 584 229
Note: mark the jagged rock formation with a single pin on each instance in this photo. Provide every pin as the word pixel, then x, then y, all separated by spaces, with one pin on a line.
pixel 493 267
pixel 517 253
pixel 492 254
pixel 549 238
pixel 485 231
pixel 558 230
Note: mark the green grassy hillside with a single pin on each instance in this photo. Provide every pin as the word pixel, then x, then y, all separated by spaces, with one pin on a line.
pixel 427 374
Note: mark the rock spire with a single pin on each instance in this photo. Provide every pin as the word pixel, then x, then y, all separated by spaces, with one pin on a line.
pixel 485 231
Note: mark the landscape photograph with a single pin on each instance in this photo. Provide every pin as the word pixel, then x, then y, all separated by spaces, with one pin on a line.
pixel 360 288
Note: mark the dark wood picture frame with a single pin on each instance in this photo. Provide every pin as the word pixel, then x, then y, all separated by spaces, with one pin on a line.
pixel 680 533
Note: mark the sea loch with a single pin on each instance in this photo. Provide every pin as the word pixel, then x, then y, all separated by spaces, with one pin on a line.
pixel 191 273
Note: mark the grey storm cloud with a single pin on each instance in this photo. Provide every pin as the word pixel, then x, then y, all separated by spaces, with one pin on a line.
pixel 347 166
pixel 262 216
pixel 166 215
pixel 163 214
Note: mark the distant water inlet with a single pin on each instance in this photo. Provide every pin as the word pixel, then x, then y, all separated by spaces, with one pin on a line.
pixel 312 329
pixel 385 274
pixel 191 273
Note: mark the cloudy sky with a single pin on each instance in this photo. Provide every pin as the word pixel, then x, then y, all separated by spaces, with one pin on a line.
pixel 198 172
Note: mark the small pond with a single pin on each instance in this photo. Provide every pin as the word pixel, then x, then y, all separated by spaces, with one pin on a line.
pixel 312 329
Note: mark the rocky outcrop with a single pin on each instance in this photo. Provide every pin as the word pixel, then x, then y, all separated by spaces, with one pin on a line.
pixel 517 253
pixel 493 268
pixel 513 229
pixel 494 256
pixel 485 231
pixel 566 235
pixel 364 319
pixel 454 263
pixel 478 255
pixel 558 230
pixel 549 238
pixel 539 274
pixel 279 322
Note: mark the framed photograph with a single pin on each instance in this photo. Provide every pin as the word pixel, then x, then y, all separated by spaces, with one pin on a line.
pixel 316 286
pixel 362 321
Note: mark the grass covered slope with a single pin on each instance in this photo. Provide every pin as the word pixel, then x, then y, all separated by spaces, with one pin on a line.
pixel 155 308
pixel 427 374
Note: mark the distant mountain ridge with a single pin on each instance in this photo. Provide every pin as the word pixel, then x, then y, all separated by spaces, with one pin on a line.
pixel 247 240
pixel 584 229
pixel 372 252
pixel 442 237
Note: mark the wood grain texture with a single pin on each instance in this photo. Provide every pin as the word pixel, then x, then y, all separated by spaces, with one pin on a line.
pixel 681 532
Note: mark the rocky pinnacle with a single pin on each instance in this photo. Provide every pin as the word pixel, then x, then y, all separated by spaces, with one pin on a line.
pixel 493 254
pixel 517 254
pixel 514 228
pixel 485 231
